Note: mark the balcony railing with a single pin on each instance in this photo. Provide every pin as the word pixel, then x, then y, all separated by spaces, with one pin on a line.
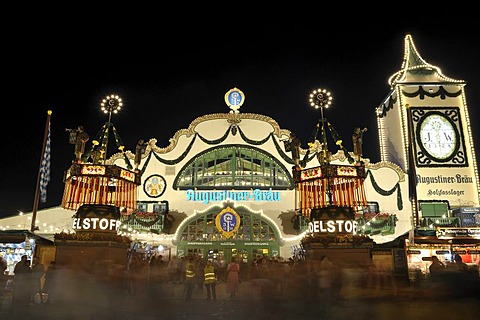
pixel 433 222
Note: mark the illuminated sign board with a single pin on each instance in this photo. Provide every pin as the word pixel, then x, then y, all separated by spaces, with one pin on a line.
pixel 93 170
pixel 127 175
pixel 453 185
pixel 346 171
pixel 414 252
pixel 313 173
pixel 238 196
pixel 449 233
pixel 96 224
pixel 330 171
pixel 333 226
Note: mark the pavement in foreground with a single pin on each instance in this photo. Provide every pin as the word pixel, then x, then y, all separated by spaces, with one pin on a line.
pixel 256 300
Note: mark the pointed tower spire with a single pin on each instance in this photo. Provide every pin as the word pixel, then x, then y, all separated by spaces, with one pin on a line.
pixel 415 69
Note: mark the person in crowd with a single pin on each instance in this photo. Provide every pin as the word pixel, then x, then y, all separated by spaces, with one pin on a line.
pixel 140 271
pixel 459 265
pixel 22 293
pixel 189 278
pixel 218 269
pixel 326 277
pixel 3 264
pixel 254 269
pixel 437 268
pixel 174 267
pixel 49 285
pixel 210 280
pixel 233 277
pixel 38 270
pixel 156 269
pixel 198 266
pixel 464 281
pixel 3 271
pixel 264 266
pixel 221 267
pixel 182 268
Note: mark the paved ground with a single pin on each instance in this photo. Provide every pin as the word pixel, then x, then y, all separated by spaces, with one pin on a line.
pixel 257 301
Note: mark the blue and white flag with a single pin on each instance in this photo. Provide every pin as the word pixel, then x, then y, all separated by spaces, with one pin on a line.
pixel 45 169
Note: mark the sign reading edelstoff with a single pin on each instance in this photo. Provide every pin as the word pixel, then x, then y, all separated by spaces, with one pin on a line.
pixel 97 218
pixel 333 226
pixel 96 224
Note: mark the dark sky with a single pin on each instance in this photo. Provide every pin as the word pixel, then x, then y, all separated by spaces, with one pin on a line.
pixel 167 79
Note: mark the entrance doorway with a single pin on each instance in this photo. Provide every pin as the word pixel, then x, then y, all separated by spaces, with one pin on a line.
pixel 255 237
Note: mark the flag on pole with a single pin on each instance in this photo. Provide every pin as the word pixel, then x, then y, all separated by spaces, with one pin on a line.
pixel 45 169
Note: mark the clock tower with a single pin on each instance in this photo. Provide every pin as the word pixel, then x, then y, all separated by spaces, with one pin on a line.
pixel 424 127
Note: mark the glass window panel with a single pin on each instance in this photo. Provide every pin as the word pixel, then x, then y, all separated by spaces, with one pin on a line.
pixel 434 209
pixel 141 207
pixel 234 167
pixel 251 228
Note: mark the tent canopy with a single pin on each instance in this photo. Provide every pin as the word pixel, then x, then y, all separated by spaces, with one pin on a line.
pixel 19 236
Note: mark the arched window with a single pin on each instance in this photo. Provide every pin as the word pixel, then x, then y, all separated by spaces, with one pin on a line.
pixel 252 228
pixel 234 167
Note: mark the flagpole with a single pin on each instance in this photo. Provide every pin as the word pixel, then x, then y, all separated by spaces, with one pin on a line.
pixel 37 188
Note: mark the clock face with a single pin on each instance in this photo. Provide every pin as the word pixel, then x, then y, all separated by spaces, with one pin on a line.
pixel 438 139
pixel 438 136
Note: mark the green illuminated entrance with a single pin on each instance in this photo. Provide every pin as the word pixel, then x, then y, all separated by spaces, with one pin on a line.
pixel 255 236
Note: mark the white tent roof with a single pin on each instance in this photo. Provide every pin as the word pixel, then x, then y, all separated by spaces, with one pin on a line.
pixel 56 219
pixel 49 221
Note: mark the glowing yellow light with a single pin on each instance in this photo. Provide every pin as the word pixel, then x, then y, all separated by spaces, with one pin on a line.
pixel 320 98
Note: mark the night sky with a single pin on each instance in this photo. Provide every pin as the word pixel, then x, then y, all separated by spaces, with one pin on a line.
pixel 167 80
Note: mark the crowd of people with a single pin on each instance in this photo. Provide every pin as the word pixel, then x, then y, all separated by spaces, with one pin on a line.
pixel 454 276
pixel 145 278
pixel 29 283
pixel 438 268
pixel 272 276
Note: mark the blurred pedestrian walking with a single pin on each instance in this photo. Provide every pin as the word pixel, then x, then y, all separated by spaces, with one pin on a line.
pixel 22 292
pixel 189 278
pixel 233 277
pixel 210 280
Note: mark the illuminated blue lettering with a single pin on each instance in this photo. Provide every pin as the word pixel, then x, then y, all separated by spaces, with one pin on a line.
pixel 218 196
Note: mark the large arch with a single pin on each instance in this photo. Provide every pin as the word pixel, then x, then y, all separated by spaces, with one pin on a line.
pixel 257 235
pixel 234 166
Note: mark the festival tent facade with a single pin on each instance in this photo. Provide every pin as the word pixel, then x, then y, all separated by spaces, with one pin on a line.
pixel 225 184
pixel 251 174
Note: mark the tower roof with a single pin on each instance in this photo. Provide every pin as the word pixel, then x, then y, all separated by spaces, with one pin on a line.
pixel 416 70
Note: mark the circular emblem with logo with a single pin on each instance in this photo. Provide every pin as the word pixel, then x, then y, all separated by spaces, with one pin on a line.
pixel 154 186
pixel 227 222
pixel 234 98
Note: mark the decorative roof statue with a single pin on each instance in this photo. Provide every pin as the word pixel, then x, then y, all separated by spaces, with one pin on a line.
pixel 79 138
pixel 95 182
